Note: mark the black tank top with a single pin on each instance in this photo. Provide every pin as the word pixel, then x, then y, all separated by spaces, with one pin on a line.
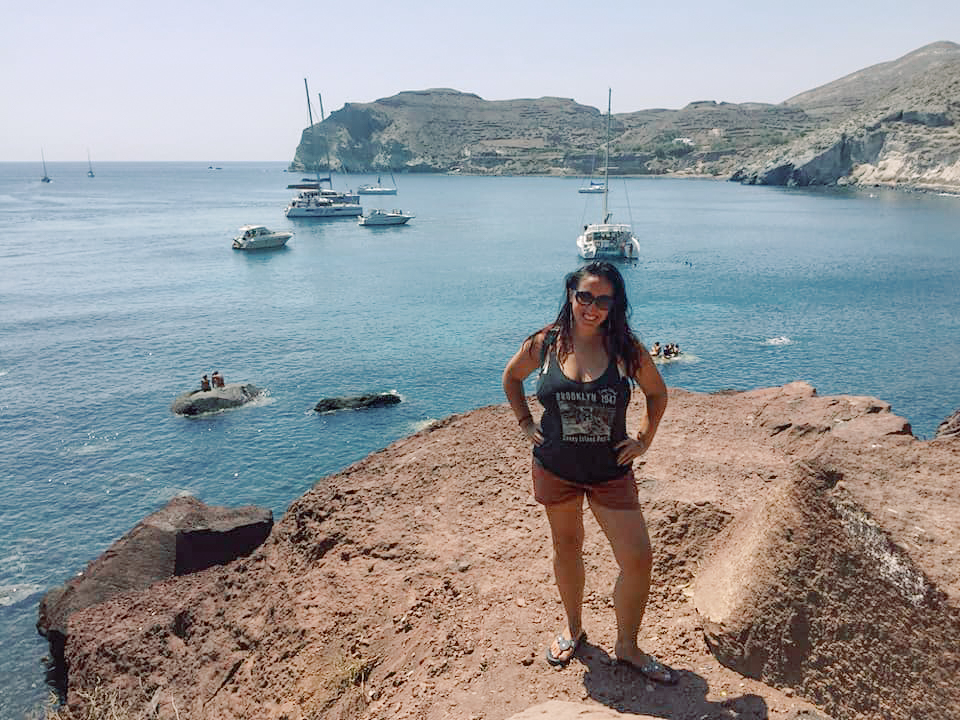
pixel 581 423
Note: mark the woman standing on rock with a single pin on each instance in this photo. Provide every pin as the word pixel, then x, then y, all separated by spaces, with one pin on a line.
pixel 587 360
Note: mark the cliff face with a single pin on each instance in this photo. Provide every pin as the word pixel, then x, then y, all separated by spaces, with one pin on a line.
pixel 895 123
pixel 803 543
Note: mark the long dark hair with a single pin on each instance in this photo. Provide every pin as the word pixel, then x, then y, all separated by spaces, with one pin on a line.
pixel 621 343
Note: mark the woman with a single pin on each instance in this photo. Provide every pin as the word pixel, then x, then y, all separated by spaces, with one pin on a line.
pixel 587 360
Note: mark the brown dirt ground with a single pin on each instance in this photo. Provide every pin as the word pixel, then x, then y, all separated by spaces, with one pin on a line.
pixel 417 583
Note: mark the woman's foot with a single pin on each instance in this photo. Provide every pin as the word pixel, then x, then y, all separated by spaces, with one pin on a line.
pixel 649 667
pixel 564 647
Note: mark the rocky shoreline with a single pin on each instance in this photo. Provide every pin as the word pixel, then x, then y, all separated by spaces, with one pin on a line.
pixel 805 567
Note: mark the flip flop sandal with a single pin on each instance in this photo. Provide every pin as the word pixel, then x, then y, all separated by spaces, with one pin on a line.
pixel 653 670
pixel 564 645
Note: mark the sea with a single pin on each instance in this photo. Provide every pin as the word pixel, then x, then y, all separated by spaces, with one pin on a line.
pixel 118 292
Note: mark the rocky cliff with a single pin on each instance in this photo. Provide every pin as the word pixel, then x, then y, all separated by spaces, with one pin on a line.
pixel 893 123
pixel 805 567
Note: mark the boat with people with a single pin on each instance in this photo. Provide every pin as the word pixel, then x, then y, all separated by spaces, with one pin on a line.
pixel 378 189
pixel 385 217
pixel 606 239
pixel 260 237
pixel 316 201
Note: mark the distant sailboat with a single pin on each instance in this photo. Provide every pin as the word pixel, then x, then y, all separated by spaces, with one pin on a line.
pixel 45 177
pixel 89 165
pixel 379 189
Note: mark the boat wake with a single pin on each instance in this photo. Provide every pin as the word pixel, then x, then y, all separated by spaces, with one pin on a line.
pixel 781 340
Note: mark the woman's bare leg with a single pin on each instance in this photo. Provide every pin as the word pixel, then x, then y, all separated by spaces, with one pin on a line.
pixel 627 532
pixel 566 529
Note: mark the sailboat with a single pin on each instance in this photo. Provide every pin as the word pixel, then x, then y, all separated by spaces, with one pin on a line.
pixel 594 186
pixel 378 189
pixel 315 201
pixel 45 177
pixel 89 165
pixel 606 239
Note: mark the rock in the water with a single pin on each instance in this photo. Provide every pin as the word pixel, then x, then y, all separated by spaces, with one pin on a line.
pixel 203 401
pixel 357 401
pixel 183 537
pixel 949 427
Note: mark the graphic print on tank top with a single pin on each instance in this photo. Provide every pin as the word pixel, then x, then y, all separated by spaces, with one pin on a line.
pixel 587 417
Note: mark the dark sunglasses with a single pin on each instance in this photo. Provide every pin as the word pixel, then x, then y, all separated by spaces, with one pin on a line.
pixel 584 297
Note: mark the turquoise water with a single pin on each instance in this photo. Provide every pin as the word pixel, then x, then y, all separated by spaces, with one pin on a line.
pixel 118 292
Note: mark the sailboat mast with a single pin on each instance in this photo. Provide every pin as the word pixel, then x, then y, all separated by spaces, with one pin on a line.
pixel 606 160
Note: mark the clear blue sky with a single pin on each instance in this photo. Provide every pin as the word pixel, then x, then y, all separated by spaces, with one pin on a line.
pixel 220 80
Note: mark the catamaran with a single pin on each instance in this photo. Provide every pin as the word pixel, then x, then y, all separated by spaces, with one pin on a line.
pixel 606 239
pixel 318 202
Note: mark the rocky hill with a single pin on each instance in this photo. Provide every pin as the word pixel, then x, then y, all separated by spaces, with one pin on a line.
pixel 893 123
pixel 896 124
pixel 805 567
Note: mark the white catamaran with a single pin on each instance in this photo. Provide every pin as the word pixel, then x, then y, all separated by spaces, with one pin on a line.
pixel 318 202
pixel 606 239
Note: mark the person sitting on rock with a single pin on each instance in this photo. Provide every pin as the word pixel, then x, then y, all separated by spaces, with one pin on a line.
pixel 217 379
pixel 204 383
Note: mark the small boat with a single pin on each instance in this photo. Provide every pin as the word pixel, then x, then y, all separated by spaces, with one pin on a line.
pixel 260 237
pixel 606 239
pixel 385 217
pixel 89 165
pixel 595 186
pixel 378 189
pixel 45 177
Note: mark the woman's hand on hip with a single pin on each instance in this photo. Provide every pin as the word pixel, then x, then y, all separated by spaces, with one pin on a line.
pixel 630 449
pixel 532 430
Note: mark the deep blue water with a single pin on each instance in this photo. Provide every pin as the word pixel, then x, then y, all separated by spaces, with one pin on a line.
pixel 118 292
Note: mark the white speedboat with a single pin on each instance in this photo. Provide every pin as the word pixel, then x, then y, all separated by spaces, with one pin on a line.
pixel 260 237
pixel 386 217
pixel 378 189
pixel 604 239
pixel 318 204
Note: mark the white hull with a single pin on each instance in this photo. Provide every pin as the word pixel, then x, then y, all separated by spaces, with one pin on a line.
pixel 592 189
pixel 381 217
pixel 323 211
pixel 606 240
pixel 369 190
pixel 258 237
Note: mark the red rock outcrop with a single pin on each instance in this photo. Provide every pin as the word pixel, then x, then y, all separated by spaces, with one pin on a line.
pixel 794 535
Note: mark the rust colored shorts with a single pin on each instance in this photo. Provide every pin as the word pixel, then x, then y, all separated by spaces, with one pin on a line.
pixel 617 494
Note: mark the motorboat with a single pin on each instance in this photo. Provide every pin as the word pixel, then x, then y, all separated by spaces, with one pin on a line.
pixel 260 237
pixel 378 189
pixel 314 200
pixel 595 186
pixel 315 203
pixel 385 217
pixel 605 239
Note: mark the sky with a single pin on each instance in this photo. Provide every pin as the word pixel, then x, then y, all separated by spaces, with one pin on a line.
pixel 222 80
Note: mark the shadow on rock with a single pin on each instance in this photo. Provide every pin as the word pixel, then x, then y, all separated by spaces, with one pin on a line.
pixel 626 690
